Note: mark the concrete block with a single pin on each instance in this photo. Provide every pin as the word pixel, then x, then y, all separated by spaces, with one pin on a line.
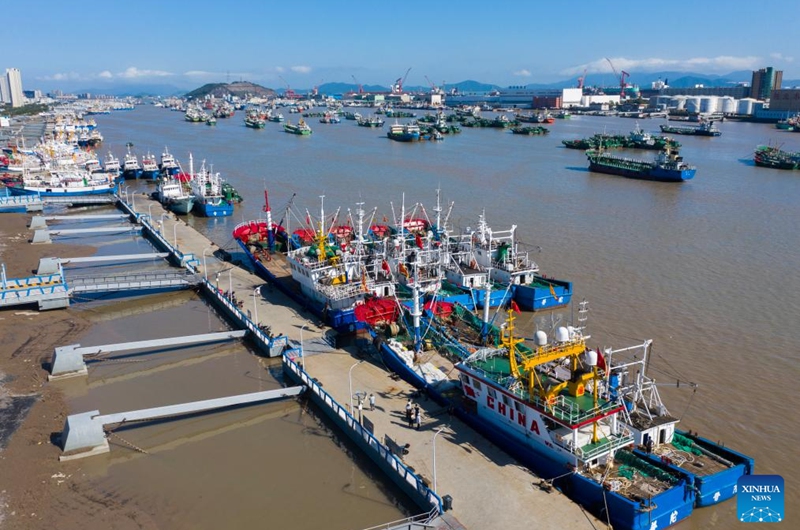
pixel 41 236
pixel 83 435
pixel 56 302
pixel 48 266
pixel 38 221
pixel 67 362
pixel 35 207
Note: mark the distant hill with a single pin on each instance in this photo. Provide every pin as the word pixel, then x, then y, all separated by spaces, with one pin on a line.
pixel 240 89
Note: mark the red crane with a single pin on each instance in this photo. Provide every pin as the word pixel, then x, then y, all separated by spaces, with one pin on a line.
pixel 289 93
pixel 582 79
pixel 620 78
pixel 398 85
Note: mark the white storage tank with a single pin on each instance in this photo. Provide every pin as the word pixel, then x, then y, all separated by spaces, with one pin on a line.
pixel 746 106
pixel 678 102
pixel 693 104
pixel 727 105
pixel 708 104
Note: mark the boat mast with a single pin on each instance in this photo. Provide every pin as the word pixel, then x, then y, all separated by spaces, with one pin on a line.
pixel 270 233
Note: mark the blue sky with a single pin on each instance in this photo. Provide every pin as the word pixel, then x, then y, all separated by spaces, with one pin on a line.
pixel 73 45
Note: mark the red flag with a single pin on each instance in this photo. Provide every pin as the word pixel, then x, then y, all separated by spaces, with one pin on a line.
pixel 308 219
pixel 385 266
pixel 601 362
pixel 515 307
pixel 418 241
pixel 266 201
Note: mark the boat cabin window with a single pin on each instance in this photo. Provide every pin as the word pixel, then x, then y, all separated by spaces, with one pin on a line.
pixel 492 393
pixel 476 384
pixel 662 436
pixel 464 379
pixel 518 406
pixel 506 401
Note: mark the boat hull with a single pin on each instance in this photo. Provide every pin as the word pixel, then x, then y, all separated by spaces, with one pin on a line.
pixel 717 487
pixel 211 209
pixel 180 206
pixel 543 293
pixel 63 191
pixel 653 174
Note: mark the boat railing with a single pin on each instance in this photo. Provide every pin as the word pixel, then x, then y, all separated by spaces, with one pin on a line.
pixel 609 443
pixel 381 451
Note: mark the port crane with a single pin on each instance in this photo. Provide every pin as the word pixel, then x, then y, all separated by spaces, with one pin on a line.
pixel 620 78
pixel 360 86
pixel 397 88
pixel 434 88
pixel 582 79
pixel 288 93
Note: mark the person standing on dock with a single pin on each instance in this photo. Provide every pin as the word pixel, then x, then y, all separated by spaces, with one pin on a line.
pixel 371 401
pixel 409 411
pixel 417 417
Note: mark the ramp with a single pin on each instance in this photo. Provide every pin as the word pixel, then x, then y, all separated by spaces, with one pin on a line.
pixel 84 434
pixel 68 360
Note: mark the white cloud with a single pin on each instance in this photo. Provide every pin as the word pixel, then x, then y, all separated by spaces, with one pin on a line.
pixel 523 73
pixel 68 76
pixel 280 69
pixel 301 69
pixel 134 73
pixel 781 57
pixel 722 63
pixel 105 74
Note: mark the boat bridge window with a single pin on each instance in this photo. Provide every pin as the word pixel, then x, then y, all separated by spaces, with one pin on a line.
pixel 476 384
pixel 492 393
pixel 506 401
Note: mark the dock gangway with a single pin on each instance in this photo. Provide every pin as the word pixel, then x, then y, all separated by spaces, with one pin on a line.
pixel 133 281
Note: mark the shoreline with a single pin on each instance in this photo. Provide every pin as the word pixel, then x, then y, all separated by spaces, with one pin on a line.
pixel 36 490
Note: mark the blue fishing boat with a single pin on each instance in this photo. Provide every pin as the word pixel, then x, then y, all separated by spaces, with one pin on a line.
pixel 130 165
pixel 209 200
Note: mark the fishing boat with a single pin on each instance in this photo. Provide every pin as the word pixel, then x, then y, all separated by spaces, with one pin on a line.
pixel 716 468
pixel 174 192
pixel 95 138
pixel 530 131
pixel 130 165
pixel 640 139
pixel 668 166
pixel 64 183
pixel 330 117
pixel 168 166
pixel 301 129
pixel 254 121
pixel 370 121
pixel 706 128
pixel 209 201
pixel 150 169
pixel 776 158
pixel 277 118
pixel 111 164
pixel 211 121
pixel 404 132
pixel 498 251
pixel 321 265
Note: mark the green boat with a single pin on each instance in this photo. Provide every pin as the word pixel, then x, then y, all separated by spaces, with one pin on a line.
pixel 530 131
pixel 301 128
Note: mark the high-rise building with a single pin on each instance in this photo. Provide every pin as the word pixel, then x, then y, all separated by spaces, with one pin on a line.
pixel 5 90
pixel 764 82
pixel 14 77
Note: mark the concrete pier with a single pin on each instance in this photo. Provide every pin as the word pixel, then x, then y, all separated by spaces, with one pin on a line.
pixel 68 361
pixel 84 433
